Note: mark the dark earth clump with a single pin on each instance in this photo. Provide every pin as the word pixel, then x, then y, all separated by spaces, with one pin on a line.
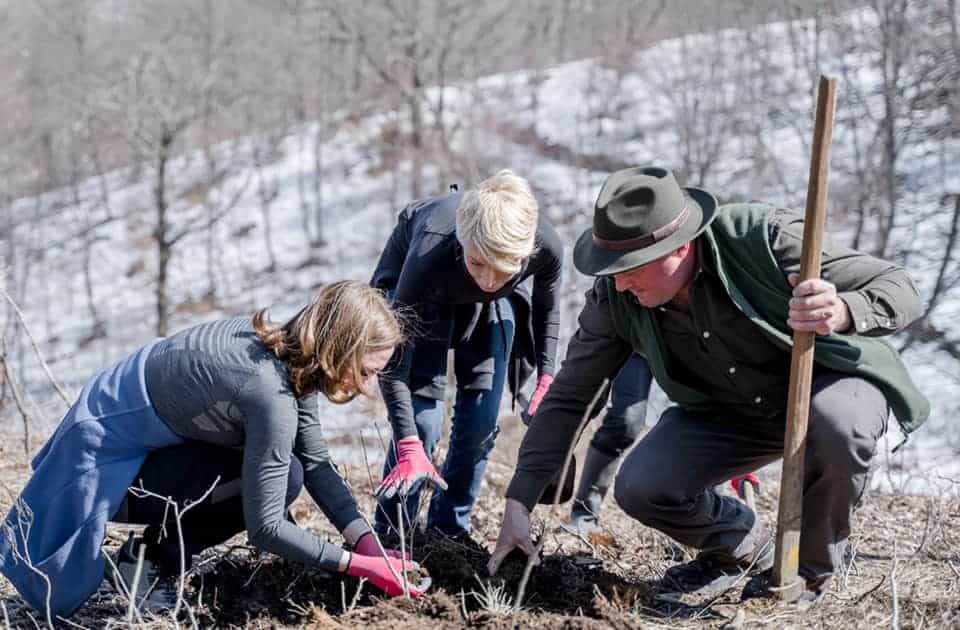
pixel 239 589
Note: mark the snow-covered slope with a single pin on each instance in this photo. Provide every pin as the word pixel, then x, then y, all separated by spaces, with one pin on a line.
pixel 745 127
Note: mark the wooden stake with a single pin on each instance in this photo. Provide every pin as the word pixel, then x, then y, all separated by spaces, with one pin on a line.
pixel 801 363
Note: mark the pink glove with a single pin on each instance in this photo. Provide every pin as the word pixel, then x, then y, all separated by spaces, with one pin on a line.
pixel 412 466
pixel 367 546
pixel 377 571
pixel 542 386
pixel 736 482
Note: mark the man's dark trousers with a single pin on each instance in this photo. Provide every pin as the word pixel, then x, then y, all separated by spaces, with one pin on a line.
pixel 667 481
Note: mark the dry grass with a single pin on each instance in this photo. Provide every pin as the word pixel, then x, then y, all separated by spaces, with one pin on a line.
pixel 905 573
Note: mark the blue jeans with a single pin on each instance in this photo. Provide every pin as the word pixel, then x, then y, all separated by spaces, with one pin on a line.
pixel 473 431
pixel 628 407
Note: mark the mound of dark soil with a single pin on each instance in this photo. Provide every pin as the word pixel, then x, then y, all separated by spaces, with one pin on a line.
pixel 240 589
pixel 565 584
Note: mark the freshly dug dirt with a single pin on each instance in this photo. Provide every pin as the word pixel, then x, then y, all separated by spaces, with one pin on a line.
pixel 906 562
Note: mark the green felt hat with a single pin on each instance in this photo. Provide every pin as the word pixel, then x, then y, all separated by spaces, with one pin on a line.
pixel 642 214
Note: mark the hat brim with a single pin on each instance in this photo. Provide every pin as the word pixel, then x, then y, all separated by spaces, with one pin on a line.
pixel 595 261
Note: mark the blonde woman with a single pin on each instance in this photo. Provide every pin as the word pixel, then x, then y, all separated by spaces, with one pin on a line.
pixel 230 404
pixel 458 261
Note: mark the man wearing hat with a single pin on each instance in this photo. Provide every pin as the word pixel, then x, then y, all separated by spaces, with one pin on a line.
pixel 710 297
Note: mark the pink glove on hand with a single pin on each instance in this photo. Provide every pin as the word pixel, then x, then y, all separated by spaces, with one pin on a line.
pixel 542 386
pixel 367 546
pixel 378 571
pixel 412 466
pixel 736 482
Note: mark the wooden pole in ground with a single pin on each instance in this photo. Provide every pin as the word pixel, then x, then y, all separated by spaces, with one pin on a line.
pixel 801 363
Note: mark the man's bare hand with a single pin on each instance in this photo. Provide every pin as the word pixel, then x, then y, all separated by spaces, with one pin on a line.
pixel 816 307
pixel 514 534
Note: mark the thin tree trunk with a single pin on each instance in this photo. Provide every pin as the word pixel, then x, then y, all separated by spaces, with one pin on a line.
pixel 163 244
pixel 211 250
pixel 892 29
pixel 319 240
pixel 940 286
pixel 266 193
pixel 416 140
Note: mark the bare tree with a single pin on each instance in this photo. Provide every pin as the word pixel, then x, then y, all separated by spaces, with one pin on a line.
pixel 265 147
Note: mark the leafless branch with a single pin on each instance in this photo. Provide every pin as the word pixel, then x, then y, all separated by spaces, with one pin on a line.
pixel 178 514
pixel 587 414
pixel 24 523
pixel 403 551
pixel 36 348
pixel 18 399
pixel 895 620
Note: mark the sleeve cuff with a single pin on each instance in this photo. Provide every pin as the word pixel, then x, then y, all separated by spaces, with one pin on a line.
pixel 356 530
pixel 330 557
pixel 406 432
pixel 525 489
pixel 861 315
pixel 342 514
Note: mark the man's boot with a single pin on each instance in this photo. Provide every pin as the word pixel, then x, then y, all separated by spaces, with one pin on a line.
pixel 599 471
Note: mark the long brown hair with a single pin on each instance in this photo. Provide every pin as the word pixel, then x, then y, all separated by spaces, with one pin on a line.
pixel 324 344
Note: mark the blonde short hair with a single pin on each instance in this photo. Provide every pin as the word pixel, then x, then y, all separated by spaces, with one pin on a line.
pixel 325 343
pixel 498 218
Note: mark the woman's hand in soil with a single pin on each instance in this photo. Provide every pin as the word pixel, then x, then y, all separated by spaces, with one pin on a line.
pixel 514 534
pixel 368 546
pixel 386 574
pixel 412 466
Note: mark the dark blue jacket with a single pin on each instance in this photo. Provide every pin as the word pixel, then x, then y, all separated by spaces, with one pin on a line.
pixel 422 267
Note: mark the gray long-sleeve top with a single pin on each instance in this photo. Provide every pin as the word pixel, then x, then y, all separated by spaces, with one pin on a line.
pixel 422 262
pixel 701 347
pixel 218 383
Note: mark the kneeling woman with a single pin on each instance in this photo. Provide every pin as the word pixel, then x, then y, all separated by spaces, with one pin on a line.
pixel 459 262
pixel 232 403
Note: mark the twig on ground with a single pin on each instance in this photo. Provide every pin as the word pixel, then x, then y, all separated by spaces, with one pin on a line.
pixel 17 397
pixel 403 552
pixel 6 618
pixel 118 582
pixel 706 607
pixel 302 610
pixel 953 568
pixel 178 515
pixel 366 463
pixel 71 623
pixel 386 456
pixel 376 538
pixel 895 620
pixel 253 574
pixel 521 589
pixel 24 515
pixel 356 595
pixel 134 586
pixel 193 619
pixel 576 533
pixel 869 591
pixel 848 566
pixel 289 590
pixel 383 444
pixel 36 348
